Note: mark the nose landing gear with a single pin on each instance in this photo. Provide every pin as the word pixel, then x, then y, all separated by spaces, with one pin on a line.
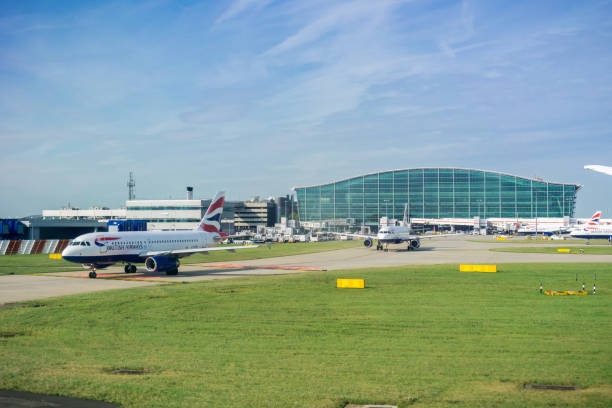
pixel 92 273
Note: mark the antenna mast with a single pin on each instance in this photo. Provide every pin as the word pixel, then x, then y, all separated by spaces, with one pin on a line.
pixel 131 184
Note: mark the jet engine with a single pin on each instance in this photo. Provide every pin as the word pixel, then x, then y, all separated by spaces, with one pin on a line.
pixel 415 243
pixel 367 242
pixel 162 264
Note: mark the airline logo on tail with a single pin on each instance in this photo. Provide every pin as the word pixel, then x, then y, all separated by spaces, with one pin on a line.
pixel 212 219
pixel 595 218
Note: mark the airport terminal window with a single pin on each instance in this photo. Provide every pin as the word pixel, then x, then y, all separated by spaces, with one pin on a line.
pixel 435 193
pixel 400 193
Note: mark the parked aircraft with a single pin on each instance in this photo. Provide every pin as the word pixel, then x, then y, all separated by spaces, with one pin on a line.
pixel 393 234
pixel 159 250
pixel 593 230
pixel 542 229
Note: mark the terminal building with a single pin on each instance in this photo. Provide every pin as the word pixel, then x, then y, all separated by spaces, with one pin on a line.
pixel 167 215
pixel 453 197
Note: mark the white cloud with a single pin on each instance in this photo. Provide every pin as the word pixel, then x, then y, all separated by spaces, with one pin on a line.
pixel 241 6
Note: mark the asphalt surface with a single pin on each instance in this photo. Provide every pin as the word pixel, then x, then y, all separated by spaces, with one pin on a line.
pixel 453 250
pixel 19 399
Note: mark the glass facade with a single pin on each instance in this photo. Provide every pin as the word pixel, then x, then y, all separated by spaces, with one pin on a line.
pixel 434 193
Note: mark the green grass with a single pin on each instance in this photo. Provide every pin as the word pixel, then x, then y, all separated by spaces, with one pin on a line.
pixel 587 250
pixel 274 251
pixel 25 264
pixel 568 241
pixel 427 336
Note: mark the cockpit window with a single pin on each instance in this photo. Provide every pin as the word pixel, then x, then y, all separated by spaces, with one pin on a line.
pixel 83 243
pixel 87 242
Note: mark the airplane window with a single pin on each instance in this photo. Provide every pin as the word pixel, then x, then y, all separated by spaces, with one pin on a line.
pixel 83 243
pixel 88 244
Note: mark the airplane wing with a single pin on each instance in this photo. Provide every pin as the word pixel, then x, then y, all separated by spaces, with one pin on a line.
pixel 184 252
pixel 435 236
pixel 601 169
pixel 354 235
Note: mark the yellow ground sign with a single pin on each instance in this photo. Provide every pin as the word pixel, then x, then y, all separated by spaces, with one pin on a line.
pixel 563 250
pixel 55 256
pixel 478 268
pixel 350 283
pixel 565 292
pixel 501 238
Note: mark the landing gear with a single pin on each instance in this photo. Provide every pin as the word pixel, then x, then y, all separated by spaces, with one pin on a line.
pixel 379 246
pixel 129 268
pixel 93 274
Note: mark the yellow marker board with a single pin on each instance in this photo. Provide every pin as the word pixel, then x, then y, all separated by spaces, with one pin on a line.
pixel 563 250
pixel 55 256
pixel 501 238
pixel 566 293
pixel 478 268
pixel 350 283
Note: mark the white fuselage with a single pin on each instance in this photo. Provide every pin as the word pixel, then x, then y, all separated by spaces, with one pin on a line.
pixel 540 229
pixel 394 233
pixel 111 247
pixel 592 231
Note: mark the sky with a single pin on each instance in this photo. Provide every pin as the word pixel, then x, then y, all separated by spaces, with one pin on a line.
pixel 255 97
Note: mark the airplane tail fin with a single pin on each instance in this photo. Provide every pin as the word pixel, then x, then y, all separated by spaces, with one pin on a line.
pixel 595 218
pixel 212 218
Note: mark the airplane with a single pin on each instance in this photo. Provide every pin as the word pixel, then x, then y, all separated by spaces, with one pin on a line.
pixel 541 229
pixel 598 168
pixel 159 250
pixel 593 229
pixel 393 234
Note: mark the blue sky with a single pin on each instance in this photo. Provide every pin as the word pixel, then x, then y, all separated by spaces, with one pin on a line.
pixel 258 96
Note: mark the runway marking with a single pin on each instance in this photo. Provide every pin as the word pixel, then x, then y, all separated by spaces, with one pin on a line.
pixel 279 267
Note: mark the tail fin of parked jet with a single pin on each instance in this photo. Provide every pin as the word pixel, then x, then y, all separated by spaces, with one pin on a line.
pixel 595 218
pixel 212 219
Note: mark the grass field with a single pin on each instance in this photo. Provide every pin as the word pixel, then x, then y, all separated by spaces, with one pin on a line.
pixel 426 336
pixel 272 252
pixel 586 250
pixel 24 264
pixel 544 241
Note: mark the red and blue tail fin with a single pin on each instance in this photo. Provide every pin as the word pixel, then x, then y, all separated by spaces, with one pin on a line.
pixel 212 219
pixel 595 218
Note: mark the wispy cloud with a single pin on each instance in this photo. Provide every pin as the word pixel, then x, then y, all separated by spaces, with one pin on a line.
pixel 240 6
pixel 331 88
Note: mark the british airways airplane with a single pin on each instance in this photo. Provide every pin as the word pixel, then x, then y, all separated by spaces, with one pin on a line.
pixel 159 250
pixel 593 229
pixel 394 234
